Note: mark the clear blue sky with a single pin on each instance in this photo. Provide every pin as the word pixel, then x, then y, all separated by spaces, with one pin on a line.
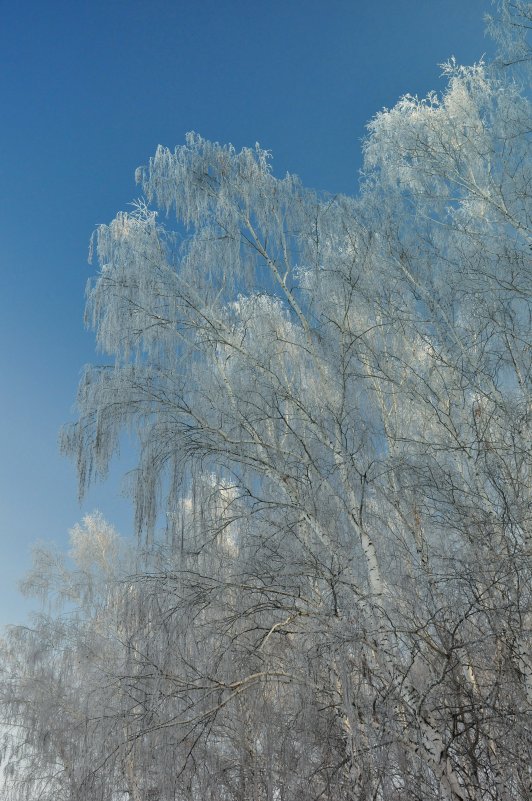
pixel 88 90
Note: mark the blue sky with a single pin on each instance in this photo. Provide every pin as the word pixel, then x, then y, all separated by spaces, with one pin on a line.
pixel 88 90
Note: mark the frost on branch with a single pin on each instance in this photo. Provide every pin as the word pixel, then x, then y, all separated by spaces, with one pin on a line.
pixel 331 398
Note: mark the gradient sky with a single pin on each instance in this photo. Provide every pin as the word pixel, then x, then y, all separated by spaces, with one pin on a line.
pixel 88 90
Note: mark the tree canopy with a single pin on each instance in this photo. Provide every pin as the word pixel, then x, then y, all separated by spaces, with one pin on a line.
pixel 330 594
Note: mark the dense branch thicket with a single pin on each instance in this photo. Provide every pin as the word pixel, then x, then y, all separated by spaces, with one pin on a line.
pixel 331 397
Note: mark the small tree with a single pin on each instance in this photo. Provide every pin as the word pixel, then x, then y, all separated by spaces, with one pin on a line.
pixel 58 685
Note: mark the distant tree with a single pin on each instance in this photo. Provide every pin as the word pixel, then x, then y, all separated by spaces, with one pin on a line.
pixel 331 397
pixel 58 687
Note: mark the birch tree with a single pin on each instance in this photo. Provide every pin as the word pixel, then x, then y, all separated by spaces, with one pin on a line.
pixel 58 687
pixel 331 399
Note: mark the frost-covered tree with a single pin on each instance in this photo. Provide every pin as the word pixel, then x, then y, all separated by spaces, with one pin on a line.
pixel 58 686
pixel 158 676
pixel 331 397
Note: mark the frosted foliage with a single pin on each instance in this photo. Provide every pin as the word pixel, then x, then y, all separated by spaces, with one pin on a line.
pixel 95 543
pixel 453 152
pixel 511 28
pixel 330 593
